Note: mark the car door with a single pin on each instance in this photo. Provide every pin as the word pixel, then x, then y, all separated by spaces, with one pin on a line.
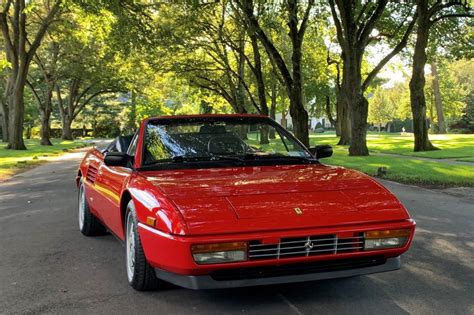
pixel 109 184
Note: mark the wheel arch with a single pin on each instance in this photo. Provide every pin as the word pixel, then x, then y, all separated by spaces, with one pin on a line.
pixel 78 177
pixel 153 204
pixel 124 200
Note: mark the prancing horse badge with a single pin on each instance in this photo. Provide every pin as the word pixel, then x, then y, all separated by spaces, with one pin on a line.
pixel 298 211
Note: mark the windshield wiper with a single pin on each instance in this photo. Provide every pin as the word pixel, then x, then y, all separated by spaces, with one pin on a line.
pixel 182 159
pixel 238 159
pixel 276 157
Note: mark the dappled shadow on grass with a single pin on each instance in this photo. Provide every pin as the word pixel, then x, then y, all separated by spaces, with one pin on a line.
pixel 451 145
pixel 409 170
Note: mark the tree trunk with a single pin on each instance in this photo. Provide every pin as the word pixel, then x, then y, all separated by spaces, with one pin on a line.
pixel 45 132
pixel 360 111
pixel 438 100
pixel 133 112
pixel 45 114
pixel 262 99
pixel 66 130
pixel 15 119
pixel 328 111
pixel 4 112
pixel 240 96
pixel 355 103
pixel 299 116
pixel 343 122
pixel 417 81
pixel 298 113
pixel 345 97
pixel 273 105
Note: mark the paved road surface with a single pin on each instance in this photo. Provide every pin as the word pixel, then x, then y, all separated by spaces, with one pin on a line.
pixel 47 266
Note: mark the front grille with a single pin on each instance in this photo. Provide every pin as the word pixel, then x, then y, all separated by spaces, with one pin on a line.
pixel 296 269
pixel 305 246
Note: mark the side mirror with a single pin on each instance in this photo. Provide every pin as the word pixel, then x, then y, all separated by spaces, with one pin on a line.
pixel 321 151
pixel 116 159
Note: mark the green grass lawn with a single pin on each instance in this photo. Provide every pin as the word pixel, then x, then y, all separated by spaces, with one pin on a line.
pixel 453 146
pixel 405 169
pixel 12 161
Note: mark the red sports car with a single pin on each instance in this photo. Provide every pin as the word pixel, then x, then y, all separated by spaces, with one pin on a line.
pixel 214 201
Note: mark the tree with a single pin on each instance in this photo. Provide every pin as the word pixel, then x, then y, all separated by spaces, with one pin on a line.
pixel 292 78
pixel 87 66
pixel 429 14
pixel 454 87
pixel 3 72
pixel 386 105
pixel 208 49
pixel 438 99
pixel 42 81
pixel 356 22
pixel 20 51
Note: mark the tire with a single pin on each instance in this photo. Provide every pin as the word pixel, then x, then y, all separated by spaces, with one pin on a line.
pixel 140 274
pixel 89 225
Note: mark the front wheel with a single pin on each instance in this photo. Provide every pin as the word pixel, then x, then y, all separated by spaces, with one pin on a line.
pixel 140 274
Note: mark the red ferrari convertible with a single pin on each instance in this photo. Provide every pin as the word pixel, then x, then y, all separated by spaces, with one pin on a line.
pixel 214 201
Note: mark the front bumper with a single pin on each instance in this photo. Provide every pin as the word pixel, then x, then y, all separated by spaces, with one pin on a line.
pixel 172 253
pixel 282 274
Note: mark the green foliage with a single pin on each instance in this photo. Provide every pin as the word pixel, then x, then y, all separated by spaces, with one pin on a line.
pixel 387 104
pixel 457 89
pixel 176 56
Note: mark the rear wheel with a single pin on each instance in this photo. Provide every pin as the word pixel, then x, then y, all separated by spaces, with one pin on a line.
pixel 89 225
pixel 140 274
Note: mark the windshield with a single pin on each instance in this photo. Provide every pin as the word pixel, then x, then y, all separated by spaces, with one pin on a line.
pixel 219 138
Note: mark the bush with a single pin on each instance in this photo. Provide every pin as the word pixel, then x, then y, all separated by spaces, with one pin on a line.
pixel 462 126
pixel 106 129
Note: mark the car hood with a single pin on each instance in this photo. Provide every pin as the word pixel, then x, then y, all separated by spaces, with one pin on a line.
pixel 249 199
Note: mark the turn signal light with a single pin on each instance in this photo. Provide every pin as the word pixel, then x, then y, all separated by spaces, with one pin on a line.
pixel 150 221
pixel 385 239
pixel 207 248
pixel 387 233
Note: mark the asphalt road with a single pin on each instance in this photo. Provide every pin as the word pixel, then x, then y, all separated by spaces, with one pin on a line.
pixel 47 266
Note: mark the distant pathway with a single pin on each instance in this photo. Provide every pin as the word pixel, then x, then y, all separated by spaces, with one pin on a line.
pixel 445 161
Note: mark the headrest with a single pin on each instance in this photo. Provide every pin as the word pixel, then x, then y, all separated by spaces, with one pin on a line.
pixel 212 129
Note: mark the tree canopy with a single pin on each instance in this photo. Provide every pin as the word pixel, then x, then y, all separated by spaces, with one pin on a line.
pixel 89 63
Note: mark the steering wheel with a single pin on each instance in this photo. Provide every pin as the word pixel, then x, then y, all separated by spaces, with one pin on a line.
pixel 225 144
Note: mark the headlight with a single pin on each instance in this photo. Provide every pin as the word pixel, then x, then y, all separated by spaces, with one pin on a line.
pixel 385 239
pixel 219 253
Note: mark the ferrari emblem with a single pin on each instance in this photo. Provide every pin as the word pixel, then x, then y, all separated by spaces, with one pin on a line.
pixel 298 211
pixel 309 245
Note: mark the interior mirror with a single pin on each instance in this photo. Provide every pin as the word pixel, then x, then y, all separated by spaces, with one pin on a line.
pixel 321 151
pixel 116 159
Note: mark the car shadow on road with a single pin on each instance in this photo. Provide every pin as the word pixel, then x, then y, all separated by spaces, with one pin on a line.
pixel 423 285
